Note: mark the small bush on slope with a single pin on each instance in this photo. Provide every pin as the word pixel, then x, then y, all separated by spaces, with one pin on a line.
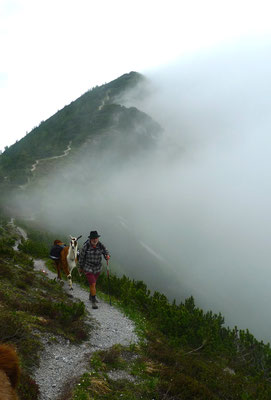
pixel 30 305
pixel 188 353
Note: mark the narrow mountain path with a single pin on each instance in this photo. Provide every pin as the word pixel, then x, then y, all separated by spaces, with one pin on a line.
pixel 37 162
pixel 61 362
pixel 66 152
pixel 106 99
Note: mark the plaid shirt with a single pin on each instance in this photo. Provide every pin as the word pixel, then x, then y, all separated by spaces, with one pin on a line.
pixel 90 259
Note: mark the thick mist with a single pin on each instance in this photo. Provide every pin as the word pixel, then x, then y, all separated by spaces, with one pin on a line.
pixel 215 199
pixel 192 215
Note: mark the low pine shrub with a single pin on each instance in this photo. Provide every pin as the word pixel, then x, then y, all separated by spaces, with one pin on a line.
pixel 6 247
pixel 35 249
pixel 28 389
pixel 6 271
pixel 14 329
pixel 190 327
pixel 185 387
pixel 68 313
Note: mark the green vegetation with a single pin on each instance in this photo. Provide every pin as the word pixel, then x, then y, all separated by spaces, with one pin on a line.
pixel 38 243
pixel 184 352
pixel 156 370
pixel 76 122
pixel 31 306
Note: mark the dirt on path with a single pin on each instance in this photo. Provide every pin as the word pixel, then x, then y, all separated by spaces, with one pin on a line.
pixel 61 362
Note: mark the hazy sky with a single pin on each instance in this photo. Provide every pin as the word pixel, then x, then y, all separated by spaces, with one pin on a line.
pixel 54 51
pixel 192 215
pixel 210 64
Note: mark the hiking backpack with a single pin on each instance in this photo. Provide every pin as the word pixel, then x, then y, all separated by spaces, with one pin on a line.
pixel 55 252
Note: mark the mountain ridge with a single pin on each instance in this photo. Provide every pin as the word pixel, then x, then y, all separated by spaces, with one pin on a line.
pixel 87 117
pixel 97 186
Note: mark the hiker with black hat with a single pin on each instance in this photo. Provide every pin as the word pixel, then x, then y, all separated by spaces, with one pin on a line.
pixel 90 262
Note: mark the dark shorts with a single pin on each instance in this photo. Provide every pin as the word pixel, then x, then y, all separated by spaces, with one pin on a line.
pixel 92 278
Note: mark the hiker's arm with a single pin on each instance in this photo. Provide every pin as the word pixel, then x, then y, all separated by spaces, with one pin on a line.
pixel 105 252
pixel 82 257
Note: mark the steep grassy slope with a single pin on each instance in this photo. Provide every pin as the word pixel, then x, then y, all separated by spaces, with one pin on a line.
pixel 87 118
pixel 32 306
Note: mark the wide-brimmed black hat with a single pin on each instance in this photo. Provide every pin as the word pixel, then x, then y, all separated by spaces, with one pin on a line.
pixel 93 235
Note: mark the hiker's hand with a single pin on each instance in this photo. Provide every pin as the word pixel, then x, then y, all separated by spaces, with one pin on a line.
pixel 107 257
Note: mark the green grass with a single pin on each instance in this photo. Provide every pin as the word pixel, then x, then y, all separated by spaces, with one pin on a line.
pixel 229 364
pixel 32 305
pixel 183 352
pixel 158 371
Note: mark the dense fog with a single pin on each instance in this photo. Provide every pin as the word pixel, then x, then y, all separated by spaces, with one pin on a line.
pixel 192 217
pixel 216 198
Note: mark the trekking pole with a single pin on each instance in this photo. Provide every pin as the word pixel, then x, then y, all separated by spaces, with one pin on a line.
pixel 108 282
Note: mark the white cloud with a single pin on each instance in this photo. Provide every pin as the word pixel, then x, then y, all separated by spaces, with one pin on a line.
pixel 53 51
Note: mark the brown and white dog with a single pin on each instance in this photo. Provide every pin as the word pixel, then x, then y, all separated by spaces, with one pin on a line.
pixel 9 372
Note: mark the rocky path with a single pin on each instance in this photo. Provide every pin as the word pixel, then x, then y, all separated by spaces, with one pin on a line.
pixel 107 98
pixel 62 362
pixel 66 152
pixel 37 162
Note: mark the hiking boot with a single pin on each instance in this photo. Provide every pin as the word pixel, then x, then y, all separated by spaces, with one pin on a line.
pixel 94 302
pixel 90 298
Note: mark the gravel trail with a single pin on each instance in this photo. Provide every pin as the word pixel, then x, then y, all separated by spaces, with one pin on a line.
pixel 62 362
